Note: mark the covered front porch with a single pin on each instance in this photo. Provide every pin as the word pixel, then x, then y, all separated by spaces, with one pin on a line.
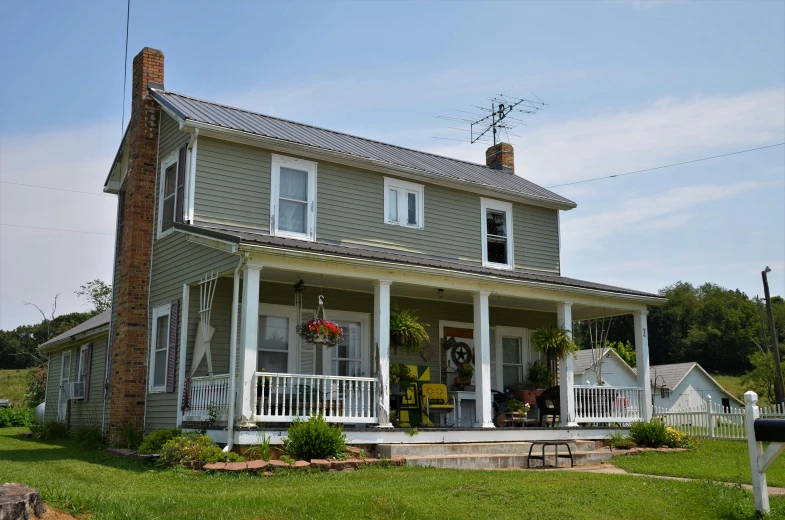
pixel 278 377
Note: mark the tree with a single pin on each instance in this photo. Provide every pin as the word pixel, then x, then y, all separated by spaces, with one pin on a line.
pixel 761 378
pixel 97 293
pixel 625 351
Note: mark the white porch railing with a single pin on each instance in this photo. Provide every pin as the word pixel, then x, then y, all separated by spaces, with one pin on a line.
pixel 608 404
pixel 284 397
pixel 713 421
pixel 206 392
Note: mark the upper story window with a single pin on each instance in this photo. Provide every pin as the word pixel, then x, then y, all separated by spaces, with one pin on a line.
pixel 497 234
pixel 170 204
pixel 293 198
pixel 403 203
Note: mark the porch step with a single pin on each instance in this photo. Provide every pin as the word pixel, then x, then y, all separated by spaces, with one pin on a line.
pixel 502 461
pixel 473 449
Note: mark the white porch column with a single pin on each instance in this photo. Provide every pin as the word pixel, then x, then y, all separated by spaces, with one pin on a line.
pixel 642 361
pixel 248 340
pixel 183 351
pixel 566 372
pixel 482 354
pixel 381 338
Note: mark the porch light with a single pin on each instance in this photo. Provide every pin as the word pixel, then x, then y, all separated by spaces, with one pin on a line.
pixel 665 392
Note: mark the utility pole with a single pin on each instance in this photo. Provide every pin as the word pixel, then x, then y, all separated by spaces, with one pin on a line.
pixel 779 390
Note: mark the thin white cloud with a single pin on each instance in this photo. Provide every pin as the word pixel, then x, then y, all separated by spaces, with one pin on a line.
pixel 37 264
pixel 666 130
pixel 670 209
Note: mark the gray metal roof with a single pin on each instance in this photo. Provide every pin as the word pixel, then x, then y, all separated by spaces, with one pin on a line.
pixel 93 324
pixel 671 375
pixel 584 360
pixel 367 253
pixel 189 108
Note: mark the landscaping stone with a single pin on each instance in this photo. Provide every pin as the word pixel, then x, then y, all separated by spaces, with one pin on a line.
pixel 357 452
pixel 236 466
pixel 352 463
pixel 320 464
pixel 215 466
pixel 18 501
pixel 372 462
pixel 257 465
pixel 301 464
pixel 122 452
pixel 398 461
pixel 278 464
pixel 195 464
pixel 338 465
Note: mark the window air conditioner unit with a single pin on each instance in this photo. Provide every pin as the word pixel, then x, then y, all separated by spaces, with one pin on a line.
pixel 74 390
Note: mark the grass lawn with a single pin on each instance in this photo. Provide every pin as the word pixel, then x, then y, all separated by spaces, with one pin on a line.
pixel 13 386
pixel 107 486
pixel 725 461
pixel 733 385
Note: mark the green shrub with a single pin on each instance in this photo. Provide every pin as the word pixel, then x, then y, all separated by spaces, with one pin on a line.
pixel 195 447
pixel 314 439
pixel 261 451
pixel 156 439
pixel 618 441
pixel 49 431
pixel 91 437
pixel 651 434
pixel 16 417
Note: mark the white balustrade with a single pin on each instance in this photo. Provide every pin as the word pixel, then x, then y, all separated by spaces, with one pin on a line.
pixel 285 397
pixel 608 404
pixel 204 393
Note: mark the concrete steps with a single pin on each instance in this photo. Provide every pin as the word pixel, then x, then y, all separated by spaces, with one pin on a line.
pixel 490 455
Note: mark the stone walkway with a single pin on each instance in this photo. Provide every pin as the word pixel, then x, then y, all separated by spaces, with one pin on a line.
pixel 613 470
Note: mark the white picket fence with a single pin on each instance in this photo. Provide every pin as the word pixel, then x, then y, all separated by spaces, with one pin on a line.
pixel 713 421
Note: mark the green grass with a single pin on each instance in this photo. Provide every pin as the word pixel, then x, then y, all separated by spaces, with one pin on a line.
pixel 725 461
pixel 732 384
pixel 13 386
pixel 107 486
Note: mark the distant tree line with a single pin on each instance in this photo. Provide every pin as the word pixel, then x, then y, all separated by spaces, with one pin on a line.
pixel 719 328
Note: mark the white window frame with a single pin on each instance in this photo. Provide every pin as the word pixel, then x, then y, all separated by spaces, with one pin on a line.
pixel 364 320
pixel 297 164
pixel 526 352
pixel 293 354
pixel 158 312
pixel 81 357
pixel 172 158
pixel 403 210
pixel 506 207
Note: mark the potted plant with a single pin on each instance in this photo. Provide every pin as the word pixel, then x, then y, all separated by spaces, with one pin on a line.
pixel 518 408
pixel 556 342
pixel 401 378
pixel 320 331
pixel 464 374
pixel 540 375
pixel 406 331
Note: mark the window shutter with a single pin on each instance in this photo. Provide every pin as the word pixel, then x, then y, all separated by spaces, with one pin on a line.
pixel 89 363
pixel 120 223
pixel 174 323
pixel 78 363
pixel 180 195
pixel 108 365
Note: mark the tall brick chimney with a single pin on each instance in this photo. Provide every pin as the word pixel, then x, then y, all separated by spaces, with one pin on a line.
pixel 129 349
pixel 500 157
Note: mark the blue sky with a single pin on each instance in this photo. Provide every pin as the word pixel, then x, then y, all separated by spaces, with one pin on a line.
pixel 629 85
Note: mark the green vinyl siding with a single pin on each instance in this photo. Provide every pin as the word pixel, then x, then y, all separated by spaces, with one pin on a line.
pixel 176 262
pixel 52 386
pixel 233 189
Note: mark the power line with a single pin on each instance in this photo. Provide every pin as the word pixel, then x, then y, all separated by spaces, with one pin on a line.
pixel 665 166
pixel 58 229
pixel 55 189
pixel 125 65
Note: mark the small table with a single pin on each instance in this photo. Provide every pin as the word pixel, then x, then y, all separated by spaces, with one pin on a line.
pixel 541 457
pixel 515 419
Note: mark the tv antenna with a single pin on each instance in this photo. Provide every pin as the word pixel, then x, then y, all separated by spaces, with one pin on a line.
pixel 502 116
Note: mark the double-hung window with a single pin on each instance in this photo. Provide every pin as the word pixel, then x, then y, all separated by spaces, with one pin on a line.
pixel 497 234
pixel 293 198
pixel 83 363
pixel 168 204
pixel 403 203
pixel 159 351
pixel 512 362
pixel 273 344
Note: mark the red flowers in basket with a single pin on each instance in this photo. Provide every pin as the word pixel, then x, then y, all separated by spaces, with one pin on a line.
pixel 320 331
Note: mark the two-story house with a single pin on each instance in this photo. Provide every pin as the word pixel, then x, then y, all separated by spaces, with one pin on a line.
pixel 231 225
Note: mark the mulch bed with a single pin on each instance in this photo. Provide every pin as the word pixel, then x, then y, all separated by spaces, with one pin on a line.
pixel 638 451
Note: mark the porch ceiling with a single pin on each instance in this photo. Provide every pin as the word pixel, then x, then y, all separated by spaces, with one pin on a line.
pixel 403 290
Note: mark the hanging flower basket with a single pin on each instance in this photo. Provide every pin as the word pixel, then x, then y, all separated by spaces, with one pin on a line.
pixel 320 331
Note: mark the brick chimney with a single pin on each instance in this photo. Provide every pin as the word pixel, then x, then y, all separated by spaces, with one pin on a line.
pixel 500 157
pixel 129 348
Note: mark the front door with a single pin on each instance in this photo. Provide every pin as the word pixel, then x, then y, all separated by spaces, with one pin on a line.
pixel 65 378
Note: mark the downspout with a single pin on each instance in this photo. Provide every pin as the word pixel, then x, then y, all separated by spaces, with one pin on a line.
pixel 233 352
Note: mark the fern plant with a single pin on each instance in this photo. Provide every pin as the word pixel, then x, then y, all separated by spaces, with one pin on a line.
pixel 556 340
pixel 406 331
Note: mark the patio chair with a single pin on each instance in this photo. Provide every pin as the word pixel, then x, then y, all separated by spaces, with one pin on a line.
pixel 435 399
pixel 548 403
